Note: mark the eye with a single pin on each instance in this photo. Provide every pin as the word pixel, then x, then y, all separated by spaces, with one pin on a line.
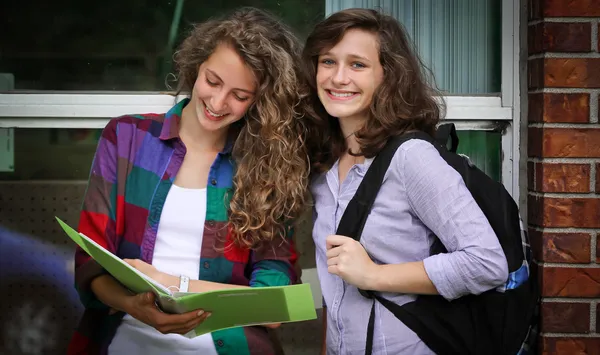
pixel 358 65
pixel 240 98
pixel 327 61
pixel 211 83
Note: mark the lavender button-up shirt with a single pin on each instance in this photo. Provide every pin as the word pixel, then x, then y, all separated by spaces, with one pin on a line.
pixel 421 196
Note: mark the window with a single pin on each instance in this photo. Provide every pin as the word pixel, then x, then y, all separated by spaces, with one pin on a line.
pixel 114 45
pixel 98 61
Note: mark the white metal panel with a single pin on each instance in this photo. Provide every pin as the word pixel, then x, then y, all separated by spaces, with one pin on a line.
pixel 81 110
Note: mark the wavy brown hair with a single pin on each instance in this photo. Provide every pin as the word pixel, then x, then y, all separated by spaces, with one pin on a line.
pixel 271 159
pixel 404 101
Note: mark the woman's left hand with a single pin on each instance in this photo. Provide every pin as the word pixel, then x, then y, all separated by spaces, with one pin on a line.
pixel 348 259
pixel 150 271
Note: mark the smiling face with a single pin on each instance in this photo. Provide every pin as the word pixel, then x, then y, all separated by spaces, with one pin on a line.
pixel 223 91
pixel 348 75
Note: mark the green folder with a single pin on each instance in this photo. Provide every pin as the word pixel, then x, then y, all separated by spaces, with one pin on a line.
pixel 230 308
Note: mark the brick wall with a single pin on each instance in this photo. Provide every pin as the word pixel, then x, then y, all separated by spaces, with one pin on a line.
pixel 564 169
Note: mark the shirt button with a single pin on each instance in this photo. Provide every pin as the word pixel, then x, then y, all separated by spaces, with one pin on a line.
pixel 220 343
pixel 206 265
pixel 213 182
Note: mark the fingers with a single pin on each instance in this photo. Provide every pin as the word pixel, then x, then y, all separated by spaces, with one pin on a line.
pixel 172 323
pixel 186 328
pixel 333 241
pixel 331 253
pixel 273 325
pixel 333 261
pixel 131 262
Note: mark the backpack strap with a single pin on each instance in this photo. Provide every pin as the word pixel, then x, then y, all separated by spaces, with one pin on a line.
pixel 445 132
pixel 356 213
pixel 358 209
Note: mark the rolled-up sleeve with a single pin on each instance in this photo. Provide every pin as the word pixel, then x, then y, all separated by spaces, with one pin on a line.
pixel 439 197
pixel 276 264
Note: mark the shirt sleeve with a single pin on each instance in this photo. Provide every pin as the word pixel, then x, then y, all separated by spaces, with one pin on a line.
pixel 97 218
pixel 439 197
pixel 276 264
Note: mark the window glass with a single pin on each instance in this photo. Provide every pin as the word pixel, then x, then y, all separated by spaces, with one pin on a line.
pixel 113 45
pixel 459 40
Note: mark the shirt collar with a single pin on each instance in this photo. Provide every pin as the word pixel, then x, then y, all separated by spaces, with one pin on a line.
pixel 170 128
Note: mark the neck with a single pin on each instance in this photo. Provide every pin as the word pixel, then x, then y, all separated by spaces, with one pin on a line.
pixel 195 136
pixel 349 127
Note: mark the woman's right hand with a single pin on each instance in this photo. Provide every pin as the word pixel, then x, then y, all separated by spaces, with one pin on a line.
pixel 143 308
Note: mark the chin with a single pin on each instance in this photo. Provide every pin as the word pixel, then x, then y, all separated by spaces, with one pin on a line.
pixel 340 113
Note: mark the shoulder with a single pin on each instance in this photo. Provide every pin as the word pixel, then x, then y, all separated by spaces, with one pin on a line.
pixel 124 127
pixel 419 160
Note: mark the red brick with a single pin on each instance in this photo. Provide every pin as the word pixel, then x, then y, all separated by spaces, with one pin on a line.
pixel 559 317
pixel 559 108
pixel 565 143
pixel 570 212
pixel 535 44
pixel 570 346
pixel 534 145
pixel 572 72
pixel 598 177
pixel 534 9
pixel 534 210
pixel 562 177
pixel 570 8
pixel 531 176
pixel 597 318
pixel 561 247
pixel 535 73
pixel 570 282
pixel 560 37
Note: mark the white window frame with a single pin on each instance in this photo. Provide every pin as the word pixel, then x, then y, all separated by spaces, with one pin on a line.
pixel 45 109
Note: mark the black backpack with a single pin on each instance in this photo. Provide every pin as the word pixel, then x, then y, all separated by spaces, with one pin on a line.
pixel 502 321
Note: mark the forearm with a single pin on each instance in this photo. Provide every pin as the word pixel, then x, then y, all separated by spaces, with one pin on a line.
pixel 110 292
pixel 198 286
pixel 409 278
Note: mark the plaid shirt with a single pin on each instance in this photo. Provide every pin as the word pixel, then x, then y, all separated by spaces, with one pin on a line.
pixel 137 159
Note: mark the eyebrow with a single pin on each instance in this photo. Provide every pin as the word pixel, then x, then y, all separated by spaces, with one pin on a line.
pixel 221 80
pixel 352 55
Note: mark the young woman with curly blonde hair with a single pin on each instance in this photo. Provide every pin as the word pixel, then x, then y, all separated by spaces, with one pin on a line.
pixel 208 191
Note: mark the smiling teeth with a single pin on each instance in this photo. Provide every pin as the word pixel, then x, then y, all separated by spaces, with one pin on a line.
pixel 213 114
pixel 346 94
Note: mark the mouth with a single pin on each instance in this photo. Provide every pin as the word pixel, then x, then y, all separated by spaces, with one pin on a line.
pixel 213 116
pixel 341 95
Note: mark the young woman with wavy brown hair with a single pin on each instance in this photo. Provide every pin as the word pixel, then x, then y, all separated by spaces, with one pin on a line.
pixel 202 197
pixel 367 85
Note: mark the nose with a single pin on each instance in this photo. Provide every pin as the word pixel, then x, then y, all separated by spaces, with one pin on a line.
pixel 218 101
pixel 340 77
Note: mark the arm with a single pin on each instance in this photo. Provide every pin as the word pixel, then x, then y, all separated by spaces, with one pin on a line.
pixel 98 289
pixel 95 220
pixel 348 259
pixel 439 197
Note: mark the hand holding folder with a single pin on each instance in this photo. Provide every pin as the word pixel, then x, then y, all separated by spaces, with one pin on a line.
pixel 230 308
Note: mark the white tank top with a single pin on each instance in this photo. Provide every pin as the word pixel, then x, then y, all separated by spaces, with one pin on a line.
pixel 176 252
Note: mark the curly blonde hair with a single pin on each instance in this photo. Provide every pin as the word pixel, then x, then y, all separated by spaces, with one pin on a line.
pixel 272 165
